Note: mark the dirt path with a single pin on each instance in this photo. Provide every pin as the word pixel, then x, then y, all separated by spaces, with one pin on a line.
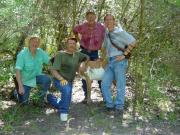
pixel 83 120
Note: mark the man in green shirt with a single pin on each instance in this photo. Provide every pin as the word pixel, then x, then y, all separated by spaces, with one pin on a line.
pixel 64 68
pixel 29 65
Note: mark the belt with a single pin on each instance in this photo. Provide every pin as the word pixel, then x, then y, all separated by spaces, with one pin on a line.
pixel 89 51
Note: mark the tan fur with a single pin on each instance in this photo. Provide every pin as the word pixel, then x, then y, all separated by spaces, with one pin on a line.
pixel 92 64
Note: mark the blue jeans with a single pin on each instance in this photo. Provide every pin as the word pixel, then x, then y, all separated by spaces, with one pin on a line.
pixel 53 100
pixel 66 94
pixel 115 70
pixel 43 81
pixel 93 55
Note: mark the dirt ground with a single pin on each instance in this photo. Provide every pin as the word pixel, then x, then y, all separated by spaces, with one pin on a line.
pixel 83 119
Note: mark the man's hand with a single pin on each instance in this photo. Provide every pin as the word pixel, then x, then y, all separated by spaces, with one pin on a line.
pixel 59 77
pixel 127 52
pixel 120 57
pixel 21 90
pixel 63 82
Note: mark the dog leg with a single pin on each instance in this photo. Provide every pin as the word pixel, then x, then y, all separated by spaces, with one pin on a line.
pixel 88 82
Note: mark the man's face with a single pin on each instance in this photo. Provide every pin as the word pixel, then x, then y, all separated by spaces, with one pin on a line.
pixel 109 22
pixel 71 45
pixel 34 43
pixel 91 18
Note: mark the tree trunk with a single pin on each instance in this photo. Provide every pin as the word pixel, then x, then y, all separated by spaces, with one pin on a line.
pixel 138 70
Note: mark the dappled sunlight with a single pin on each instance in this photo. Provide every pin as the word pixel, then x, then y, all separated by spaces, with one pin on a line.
pixel 96 96
pixel 6 104
pixel 49 111
pixel 166 106
pixel 27 123
pixel 1 123
pixel 40 119
pixel 83 119
pixel 128 118
pixel 78 93
pixel 129 93
pixel 125 124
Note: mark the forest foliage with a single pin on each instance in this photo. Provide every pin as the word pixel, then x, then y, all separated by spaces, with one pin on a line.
pixel 154 66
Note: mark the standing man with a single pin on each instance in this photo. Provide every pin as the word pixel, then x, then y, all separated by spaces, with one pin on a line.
pixel 116 38
pixel 29 66
pixel 92 36
pixel 64 68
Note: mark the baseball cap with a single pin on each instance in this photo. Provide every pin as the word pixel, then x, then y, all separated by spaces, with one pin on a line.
pixel 90 11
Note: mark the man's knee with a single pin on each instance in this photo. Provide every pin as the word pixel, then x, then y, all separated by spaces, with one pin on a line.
pixel 67 90
pixel 46 80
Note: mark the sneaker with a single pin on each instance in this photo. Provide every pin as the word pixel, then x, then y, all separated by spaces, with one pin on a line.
pixel 63 116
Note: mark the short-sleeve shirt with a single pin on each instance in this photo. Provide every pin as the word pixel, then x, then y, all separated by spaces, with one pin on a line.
pixel 91 39
pixel 67 64
pixel 31 66
pixel 120 38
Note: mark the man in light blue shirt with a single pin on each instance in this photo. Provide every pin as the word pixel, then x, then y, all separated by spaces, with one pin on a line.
pixel 28 67
pixel 118 43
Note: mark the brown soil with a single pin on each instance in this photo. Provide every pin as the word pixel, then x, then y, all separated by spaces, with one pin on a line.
pixel 83 119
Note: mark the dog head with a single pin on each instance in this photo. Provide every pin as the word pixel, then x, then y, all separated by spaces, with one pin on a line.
pixel 92 69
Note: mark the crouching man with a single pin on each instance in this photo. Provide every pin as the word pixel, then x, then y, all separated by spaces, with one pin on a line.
pixel 28 67
pixel 64 68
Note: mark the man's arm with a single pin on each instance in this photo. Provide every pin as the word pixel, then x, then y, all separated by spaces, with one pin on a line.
pixel 56 74
pixel 20 84
pixel 59 77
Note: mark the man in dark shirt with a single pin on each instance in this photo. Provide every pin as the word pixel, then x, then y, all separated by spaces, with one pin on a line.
pixel 64 69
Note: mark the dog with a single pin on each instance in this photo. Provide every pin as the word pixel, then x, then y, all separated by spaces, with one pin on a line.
pixel 92 70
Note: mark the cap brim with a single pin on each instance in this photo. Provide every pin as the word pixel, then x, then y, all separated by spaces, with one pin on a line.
pixel 90 12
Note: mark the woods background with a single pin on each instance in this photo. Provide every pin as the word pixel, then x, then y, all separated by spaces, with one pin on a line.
pixel 155 63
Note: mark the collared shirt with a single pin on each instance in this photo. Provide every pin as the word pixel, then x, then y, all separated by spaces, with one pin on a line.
pixel 120 38
pixel 91 39
pixel 31 66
